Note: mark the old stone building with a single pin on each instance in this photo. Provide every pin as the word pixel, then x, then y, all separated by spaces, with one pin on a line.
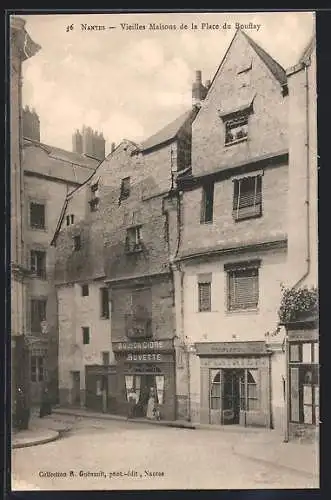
pixel 113 276
pixel 239 211
pixel 22 47
pixel 50 173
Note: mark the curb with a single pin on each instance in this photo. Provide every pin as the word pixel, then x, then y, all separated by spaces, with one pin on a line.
pixel 45 440
pixel 277 464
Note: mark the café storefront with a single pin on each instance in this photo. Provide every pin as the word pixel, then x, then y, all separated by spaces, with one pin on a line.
pixel 235 383
pixel 142 365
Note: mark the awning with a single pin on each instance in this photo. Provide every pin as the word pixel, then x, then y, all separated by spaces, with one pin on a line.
pixel 232 109
pixel 247 175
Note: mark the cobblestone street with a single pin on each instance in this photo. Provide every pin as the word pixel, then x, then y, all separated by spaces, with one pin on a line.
pixel 128 455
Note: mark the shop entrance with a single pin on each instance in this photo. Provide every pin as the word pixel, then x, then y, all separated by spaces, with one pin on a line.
pixel 146 385
pixel 233 380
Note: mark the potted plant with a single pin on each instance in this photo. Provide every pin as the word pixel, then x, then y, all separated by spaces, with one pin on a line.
pixel 298 304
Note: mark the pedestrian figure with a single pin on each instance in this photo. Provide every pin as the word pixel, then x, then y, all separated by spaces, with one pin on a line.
pixel 133 400
pixel 45 406
pixel 150 414
pixel 22 412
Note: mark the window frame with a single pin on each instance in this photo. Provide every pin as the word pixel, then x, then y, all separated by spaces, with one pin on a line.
pixel 41 274
pixel 137 245
pixel 240 213
pixel 77 238
pixel 202 284
pixel 104 312
pixel 207 203
pixel 233 269
pixel 86 335
pixel 37 366
pixel 42 315
pixel 85 289
pixel 40 227
pixel 105 355
pixel 125 190
pixel 241 120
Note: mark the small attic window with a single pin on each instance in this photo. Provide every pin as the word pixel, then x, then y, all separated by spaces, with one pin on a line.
pixel 244 75
pixel 244 68
pixel 70 219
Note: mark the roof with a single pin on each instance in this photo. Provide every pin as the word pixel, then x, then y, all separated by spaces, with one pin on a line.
pixel 70 167
pixel 167 133
pixel 276 69
pixel 308 50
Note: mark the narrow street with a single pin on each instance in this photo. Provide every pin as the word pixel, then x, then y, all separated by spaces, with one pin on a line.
pixel 112 455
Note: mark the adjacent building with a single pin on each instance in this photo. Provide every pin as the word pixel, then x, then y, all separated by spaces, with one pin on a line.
pixel 114 279
pixel 50 173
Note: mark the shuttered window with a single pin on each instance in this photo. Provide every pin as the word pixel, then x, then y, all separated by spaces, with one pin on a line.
pixel 204 296
pixel 37 314
pixel 207 204
pixel 243 288
pixel 247 197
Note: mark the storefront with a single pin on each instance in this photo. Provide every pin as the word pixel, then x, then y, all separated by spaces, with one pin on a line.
pixel 101 388
pixel 142 367
pixel 303 380
pixel 235 383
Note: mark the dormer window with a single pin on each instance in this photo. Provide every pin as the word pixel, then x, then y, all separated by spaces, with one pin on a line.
pixel 236 130
pixel 133 241
pixel 70 219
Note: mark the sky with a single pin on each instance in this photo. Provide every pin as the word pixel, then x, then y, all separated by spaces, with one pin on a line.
pixel 130 83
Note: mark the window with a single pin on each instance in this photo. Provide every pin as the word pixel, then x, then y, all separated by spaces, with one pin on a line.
pixel 70 219
pixel 243 286
pixel 105 358
pixel 37 215
pixel 207 204
pixel 247 197
pixel 94 201
pixel 104 298
pixel 86 335
pixel 125 188
pixel 215 390
pixel 249 400
pixel 37 369
pixel 236 129
pixel 139 318
pixel 37 314
pixel 38 263
pixel 133 242
pixel 85 291
pixel 77 243
pixel 204 292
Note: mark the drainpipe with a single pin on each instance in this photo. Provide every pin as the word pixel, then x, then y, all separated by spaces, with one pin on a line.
pixel 307 181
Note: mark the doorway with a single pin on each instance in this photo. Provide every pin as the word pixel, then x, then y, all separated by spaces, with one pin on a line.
pixel 75 388
pixel 232 387
pixel 142 384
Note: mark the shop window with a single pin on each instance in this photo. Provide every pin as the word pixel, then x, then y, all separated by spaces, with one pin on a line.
pixel 207 204
pixel 37 215
pixel 243 286
pixel 38 263
pixel 304 383
pixel 215 390
pixel 37 369
pixel 133 241
pixel 85 290
pixel 104 303
pixel 86 335
pixel 37 314
pixel 247 197
pixel 77 243
pixel 249 400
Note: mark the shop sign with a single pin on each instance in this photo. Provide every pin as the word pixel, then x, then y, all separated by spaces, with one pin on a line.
pixel 249 362
pixel 147 346
pixel 232 348
pixel 304 335
pixel 152 357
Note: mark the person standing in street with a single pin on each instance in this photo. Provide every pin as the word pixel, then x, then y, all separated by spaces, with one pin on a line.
pixel 133 400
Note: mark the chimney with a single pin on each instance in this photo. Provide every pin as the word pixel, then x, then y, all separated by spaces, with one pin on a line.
pixel 31 124
pixel 199 92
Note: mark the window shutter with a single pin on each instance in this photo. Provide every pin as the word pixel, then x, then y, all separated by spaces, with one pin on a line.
pixel 204 296
pixel 243 289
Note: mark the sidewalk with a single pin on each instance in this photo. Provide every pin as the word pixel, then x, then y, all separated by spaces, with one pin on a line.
pixel 271 449
pixel 41 431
